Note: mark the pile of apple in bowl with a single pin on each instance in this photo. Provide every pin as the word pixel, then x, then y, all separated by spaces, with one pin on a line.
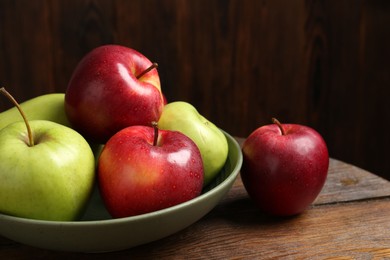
pixel 109 164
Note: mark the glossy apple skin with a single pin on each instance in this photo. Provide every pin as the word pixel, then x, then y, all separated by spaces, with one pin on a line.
pixel 183 117
pixel 284 174
pixel 104 95
pixel 136 177
pixel 51 180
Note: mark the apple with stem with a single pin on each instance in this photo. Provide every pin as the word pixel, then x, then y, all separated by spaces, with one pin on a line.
pixel 111 88
pixel 47 170
pixel 143 169
pixel 284 167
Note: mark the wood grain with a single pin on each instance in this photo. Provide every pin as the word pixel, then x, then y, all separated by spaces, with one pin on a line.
pixel 321 63
pixel 318 234
pixel 349 220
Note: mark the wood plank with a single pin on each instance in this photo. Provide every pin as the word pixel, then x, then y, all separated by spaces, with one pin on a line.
pixel 25 49
pixel 76 28
pixel 346 182
pixel 349 219
pixel 237 230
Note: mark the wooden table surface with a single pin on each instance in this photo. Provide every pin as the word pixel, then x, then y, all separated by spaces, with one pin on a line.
pixel 350 219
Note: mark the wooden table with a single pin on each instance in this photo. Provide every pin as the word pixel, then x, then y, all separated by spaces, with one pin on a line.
pixel 350 219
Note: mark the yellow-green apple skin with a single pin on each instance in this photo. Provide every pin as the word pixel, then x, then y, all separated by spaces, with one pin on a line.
pixel 183 117
pixel 51 180
pixel 49 107
pixel 45 107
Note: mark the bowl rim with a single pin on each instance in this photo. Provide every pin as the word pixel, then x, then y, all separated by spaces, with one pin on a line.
pixel 230 179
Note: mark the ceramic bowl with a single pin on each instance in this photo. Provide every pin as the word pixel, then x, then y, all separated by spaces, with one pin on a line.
pixel 98 232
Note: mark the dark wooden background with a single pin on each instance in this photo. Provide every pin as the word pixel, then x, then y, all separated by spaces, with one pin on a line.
pixel 324 63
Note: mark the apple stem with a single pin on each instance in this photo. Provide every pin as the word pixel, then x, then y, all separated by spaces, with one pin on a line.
pixel 276 121
pixel 153 66
pixel 154 124
pixel 12 99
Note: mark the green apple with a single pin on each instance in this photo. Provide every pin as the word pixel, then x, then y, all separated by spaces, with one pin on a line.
pixel 183 117
pixel 49 107
pixel 45 107
pixel 46 172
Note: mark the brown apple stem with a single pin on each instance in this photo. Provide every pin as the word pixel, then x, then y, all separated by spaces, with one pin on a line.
pixel 154 124
pixel 276 121
pixel 12 99
pixel 153 66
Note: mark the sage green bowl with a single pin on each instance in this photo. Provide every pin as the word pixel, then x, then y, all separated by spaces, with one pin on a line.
pixel 98 232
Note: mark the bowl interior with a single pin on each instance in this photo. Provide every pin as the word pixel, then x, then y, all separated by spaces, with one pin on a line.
pixel 97 211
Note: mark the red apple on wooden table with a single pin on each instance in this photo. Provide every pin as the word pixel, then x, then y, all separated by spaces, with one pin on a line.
pixel 142 169
pixel 284 167
pixel 111 88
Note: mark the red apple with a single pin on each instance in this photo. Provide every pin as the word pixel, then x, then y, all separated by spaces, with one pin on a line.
pixel 284 167
pixel 142 169
pixel 111 88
